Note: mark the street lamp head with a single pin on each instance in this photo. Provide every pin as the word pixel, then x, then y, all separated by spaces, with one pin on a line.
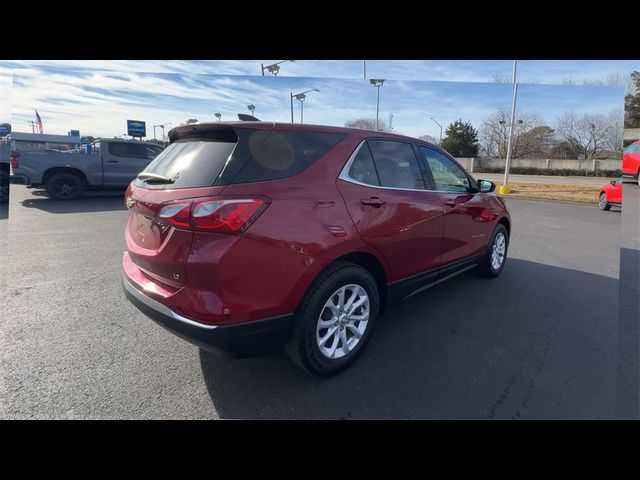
pixel 251 107
pixel 273 69
pixel 376 82
pixel 300 96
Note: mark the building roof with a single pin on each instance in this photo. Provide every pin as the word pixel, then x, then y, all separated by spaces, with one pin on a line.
pixel 41 137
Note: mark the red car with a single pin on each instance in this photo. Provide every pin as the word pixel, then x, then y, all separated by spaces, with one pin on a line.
pixel 244 236
pixel 610 195
pixel 631 161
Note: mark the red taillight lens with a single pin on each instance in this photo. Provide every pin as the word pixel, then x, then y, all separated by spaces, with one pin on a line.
pixel 14 159
pixel 226 216
pixel 231 215
pixel 176 214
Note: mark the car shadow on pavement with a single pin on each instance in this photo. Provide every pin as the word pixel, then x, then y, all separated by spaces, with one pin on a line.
pixel 537 342
pixel 98 201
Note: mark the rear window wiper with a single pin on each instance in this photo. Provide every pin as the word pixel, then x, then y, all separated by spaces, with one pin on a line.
pixel 154 178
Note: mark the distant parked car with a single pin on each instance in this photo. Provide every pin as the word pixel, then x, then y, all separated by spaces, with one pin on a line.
pixel 631 161
pixel 610 195
pixel 252 235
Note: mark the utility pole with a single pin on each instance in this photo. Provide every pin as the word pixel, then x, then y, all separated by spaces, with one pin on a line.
pixel 504 188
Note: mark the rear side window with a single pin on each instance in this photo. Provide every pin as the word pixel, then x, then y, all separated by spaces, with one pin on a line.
pixel 193 162
pixel 362 168
pixel 128 150
pixel 396 164
pixel 274 154
pixel 633 148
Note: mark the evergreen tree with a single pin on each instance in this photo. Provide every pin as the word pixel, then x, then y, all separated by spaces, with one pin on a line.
pixel 461 139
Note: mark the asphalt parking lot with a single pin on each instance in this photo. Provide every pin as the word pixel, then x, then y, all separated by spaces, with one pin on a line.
pixel 540 341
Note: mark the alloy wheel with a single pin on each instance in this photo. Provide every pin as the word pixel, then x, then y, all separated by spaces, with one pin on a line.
pixel 498 251
pixel 343 321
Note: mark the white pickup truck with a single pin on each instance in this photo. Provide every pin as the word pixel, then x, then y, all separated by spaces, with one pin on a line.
pixel 106 163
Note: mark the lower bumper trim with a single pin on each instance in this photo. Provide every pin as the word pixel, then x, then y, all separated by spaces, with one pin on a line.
pixel 241 340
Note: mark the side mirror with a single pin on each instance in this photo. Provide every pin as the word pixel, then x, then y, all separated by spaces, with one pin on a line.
pixel 486 186
pixel 613 182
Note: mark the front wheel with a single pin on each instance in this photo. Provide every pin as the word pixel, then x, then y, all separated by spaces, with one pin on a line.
pixel 603 204
pixel 334 320
pixel 496 255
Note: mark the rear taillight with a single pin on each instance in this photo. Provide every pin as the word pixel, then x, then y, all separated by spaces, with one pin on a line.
pixel 14 159
pixel 176 214
pixel 230 215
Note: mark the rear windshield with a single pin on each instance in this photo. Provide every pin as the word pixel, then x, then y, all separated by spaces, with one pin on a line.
pixel 192 162
pixel 223 157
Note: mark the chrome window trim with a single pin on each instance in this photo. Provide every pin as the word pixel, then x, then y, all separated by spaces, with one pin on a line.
pixel 344 174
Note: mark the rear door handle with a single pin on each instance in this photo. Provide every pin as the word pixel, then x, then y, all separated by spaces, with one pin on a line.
pixel 112 161
pixel 373 201
pixel 450 203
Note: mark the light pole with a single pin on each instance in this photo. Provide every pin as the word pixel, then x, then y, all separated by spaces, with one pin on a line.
pixel 364 69
pixel 434 120
pixel 377 82
pixel 252 109
pixel 274 68
pixel 300 97
pixel 218 115
pixel 162 125
pixel 504 188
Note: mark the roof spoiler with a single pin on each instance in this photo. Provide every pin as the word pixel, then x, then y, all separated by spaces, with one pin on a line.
pixel 247 118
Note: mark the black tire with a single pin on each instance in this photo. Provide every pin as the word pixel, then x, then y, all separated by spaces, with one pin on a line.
pixel 65 186
pixel 486 268
pixel 302 345
pixel 602 202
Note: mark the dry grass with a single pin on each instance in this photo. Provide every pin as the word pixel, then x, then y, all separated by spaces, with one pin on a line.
pixel 568 193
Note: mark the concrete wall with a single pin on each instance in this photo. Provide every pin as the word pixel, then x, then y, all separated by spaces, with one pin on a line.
pixel 473 163
pixel 632 134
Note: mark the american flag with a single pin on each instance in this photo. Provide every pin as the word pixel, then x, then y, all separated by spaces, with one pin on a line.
pixel 39 122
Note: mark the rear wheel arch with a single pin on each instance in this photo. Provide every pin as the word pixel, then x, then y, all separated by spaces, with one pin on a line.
pixel 507 224
pixel 52 171
pixel 370 263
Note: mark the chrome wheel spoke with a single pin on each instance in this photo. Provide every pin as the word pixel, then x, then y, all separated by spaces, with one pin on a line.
pixel 329 334
pixel 343 338
pixel 355 331
pixel 334 345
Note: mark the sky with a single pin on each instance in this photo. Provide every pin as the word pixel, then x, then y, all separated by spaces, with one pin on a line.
pixel 97 97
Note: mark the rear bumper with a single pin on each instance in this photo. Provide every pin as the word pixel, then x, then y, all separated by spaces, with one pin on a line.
pixel 239 340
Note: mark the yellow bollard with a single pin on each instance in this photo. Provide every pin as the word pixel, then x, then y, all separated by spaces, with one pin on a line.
pixel 504 189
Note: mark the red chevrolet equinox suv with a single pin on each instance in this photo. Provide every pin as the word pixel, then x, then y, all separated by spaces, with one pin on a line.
pixel 248 236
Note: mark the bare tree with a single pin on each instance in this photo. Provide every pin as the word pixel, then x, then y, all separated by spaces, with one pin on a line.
pixel 613 80
pixel 502 78
pixel 428 138
pixel 368 124
pixel 192 120
pixel 530 136
pixel 615 136
pixel 585 135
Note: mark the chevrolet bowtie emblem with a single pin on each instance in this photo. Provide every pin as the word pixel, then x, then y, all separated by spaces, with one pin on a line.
pixel 130 202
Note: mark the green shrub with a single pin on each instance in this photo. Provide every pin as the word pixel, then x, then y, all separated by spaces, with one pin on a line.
pixel 565 172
